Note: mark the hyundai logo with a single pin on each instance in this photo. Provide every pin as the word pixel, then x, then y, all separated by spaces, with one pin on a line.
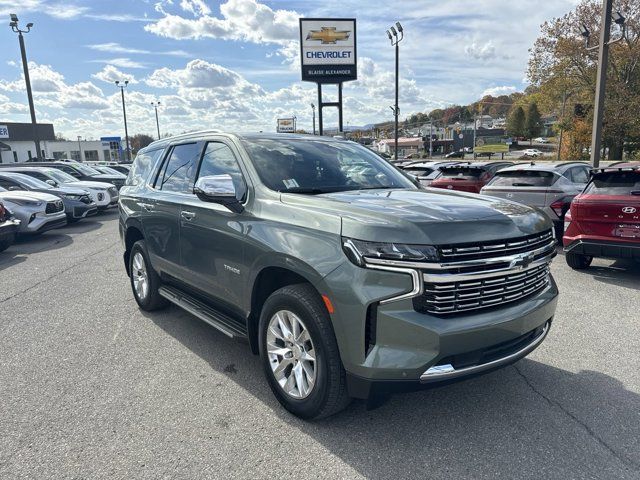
pixel 629 210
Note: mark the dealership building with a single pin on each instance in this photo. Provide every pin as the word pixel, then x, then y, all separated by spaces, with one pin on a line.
pixel 17 145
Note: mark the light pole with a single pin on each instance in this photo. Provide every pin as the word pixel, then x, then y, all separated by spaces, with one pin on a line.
pixel 25 67
pixel 601 79
pixel 313 108
pixel 122 86
pixel 155 106
pixel 80 147
pixel 396 36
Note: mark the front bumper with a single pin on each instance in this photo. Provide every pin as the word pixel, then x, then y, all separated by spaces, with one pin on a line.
pixel 388 347
pixel 42 222
pixel 76 209
pixel 601 248
pixel 9 228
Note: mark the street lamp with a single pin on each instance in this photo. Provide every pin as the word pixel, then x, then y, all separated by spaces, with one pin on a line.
pixel 313 108
pixel 79 148
pixel 396 36
pixel 155 106
pixel 25 67
pixel 122 86
pixel 601 79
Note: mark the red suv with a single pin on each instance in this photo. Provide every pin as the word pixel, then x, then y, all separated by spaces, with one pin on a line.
pixel 604 220
pixel 468 177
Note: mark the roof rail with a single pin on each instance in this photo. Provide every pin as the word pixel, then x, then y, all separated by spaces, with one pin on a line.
pixel 570 162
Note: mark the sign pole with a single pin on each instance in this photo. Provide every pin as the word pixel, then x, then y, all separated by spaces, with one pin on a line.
pixel 340 107
pixel 320 105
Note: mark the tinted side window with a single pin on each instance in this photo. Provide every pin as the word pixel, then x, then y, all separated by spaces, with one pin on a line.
pixel 7 183
pixel 38 175
pixel 579 175
pixel 142 166
pixel 69 170
pixel 179 171
pixel 219 159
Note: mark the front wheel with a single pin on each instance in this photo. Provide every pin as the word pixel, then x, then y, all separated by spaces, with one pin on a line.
pixel 577 261
pixel 300 354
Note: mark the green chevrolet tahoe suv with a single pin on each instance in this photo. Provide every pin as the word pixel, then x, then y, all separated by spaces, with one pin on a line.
pixel 344 276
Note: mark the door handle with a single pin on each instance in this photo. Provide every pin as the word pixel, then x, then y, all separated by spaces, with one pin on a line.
pixel 147 206
pixel 187 215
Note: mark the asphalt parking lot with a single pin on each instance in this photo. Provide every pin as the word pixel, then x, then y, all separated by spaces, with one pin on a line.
pixel 91 387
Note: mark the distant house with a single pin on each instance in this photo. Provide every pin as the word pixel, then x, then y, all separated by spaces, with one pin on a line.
pixel 406 146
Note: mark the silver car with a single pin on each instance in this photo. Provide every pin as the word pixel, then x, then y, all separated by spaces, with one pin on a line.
pixel 427 172
pixel 37 212
pixel 548 186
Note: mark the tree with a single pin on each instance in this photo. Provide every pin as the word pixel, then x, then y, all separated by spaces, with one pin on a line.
pixel 516 122
pixel 140 141
pixel 533 122
pixel 559 63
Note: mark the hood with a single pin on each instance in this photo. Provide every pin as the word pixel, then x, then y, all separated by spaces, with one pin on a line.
pixel 65 190
pixel 109 177
pixel 88 184
pixel 429 216
pixel 25 195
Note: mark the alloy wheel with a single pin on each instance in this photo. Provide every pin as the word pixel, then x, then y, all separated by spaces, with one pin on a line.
pixel 291 354
pixel 139 276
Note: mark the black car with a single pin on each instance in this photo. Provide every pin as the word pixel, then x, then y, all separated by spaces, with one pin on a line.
pixel 458 154
pixel 78 170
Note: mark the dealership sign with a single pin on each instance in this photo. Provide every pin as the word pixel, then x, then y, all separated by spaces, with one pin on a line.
pixel 4 131
pixel 328 50
pixel 286 125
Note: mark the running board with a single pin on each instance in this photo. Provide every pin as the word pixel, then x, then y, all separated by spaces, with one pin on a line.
pixel 204 312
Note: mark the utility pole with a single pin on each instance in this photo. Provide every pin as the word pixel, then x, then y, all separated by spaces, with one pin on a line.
pixel 79 147
pixel 122 86
pixel 475 127
pixel 601 78
pixel 155 106
pixel 430 138
pixel 565 97
pixel 313 108
pixel 396 37
pixel 25 68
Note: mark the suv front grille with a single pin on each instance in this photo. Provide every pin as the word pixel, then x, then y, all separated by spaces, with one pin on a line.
pixel 477 251
pixel 460 296
pixel 54 207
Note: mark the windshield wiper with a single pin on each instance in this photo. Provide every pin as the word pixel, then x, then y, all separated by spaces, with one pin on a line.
pixel 385 187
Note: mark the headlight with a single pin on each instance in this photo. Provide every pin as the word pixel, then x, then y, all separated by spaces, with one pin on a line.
pixel 358 251
pixel 24 202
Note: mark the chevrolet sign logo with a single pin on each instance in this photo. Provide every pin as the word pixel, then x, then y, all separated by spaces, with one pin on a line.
pixel 328 35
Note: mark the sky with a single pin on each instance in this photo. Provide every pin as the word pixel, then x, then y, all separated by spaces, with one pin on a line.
pixel 234 65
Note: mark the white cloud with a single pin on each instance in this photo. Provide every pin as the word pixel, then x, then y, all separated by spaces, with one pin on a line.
pixel 113 47
pixel 245 20
pixel 110 74
pixel 122 62
pixel 197 74
pixel 497 91
pixel 196 7
pixel 54 9
pixel 481 52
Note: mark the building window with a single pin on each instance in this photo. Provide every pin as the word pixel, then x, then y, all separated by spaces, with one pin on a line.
pixel 91 155
pixel 75 155
pixel 15 156
pixel 59 155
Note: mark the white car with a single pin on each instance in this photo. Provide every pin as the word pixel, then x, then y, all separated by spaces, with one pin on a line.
pixel 532 152
pixel 105 195
pixel 541 140
pixel 37 212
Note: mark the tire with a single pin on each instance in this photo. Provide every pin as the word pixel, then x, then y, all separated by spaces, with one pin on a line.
pixel 328 394
pixel 6 242
pixel 148 298
pixel 577 261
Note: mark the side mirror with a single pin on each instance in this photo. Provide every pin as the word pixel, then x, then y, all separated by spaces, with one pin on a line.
pixel 13 188
pixel 51 182
pixel 218 189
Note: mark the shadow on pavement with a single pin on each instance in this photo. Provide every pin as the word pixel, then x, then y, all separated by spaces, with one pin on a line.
pixel 529 420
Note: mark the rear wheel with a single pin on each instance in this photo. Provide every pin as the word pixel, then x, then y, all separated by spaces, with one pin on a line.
pixel 577 261
pixel 145 282
pixel 6 242
pixel 300 354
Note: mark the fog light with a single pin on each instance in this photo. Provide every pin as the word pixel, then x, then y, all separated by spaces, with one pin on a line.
pixel 100 197
pixel 32 217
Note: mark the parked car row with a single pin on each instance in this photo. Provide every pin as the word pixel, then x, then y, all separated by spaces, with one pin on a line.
pixel 40 196
pixel 596 213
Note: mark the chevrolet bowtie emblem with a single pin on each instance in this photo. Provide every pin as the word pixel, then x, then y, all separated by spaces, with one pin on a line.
pixel 328 35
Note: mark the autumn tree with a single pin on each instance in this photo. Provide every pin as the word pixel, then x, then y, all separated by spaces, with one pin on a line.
pixel 560 64
pixel 516 122
pixel 533 122
pixel 140 141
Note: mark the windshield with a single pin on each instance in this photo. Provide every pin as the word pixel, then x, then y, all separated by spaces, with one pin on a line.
pixel 84 169
pixel 614 183
pixel 318 166
pixel 30 181
pixel 462 173
pixel 109 170
pixel 419 171
pixel 523 178
pixel 60 176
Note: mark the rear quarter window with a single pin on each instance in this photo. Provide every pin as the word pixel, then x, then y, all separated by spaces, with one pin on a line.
pixel 523 178
pixel 462 173
pixel 614 183
pixel 142 166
